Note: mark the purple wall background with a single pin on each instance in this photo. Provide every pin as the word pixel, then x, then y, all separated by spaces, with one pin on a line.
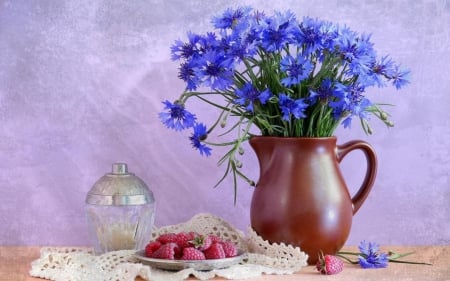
pixel 81 83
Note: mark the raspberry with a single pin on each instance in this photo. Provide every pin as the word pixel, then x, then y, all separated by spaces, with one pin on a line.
pixel 215 238
pixel 329 264
pixel 230 249
pixel 184 239
pixel 167 238
pixel 151 248
pixel 202 242
pixel 215 251
pixel 191 253
pixel 167 251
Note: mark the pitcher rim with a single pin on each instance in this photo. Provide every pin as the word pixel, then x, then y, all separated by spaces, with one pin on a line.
pixel 294 138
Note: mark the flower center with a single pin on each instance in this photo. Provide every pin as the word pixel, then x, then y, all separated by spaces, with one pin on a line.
pixel 187 50
pixel 177 112
pixel 212 69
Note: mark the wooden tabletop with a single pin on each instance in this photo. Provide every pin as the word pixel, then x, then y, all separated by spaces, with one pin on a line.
pixel 15 266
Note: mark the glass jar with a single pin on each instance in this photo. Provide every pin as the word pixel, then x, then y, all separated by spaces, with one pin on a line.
pixel 120 211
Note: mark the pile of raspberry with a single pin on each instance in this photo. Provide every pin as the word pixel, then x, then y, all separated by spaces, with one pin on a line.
pixel 190 246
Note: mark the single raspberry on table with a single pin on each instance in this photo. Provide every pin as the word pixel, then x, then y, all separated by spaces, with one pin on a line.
pixel 215 251
pixel 230 249
pixel 151 247
pixel 191 253
pixel 167 251
pixel 329 264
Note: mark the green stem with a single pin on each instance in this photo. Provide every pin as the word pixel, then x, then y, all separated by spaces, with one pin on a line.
pixel 394 255
pixel 347 259
pixel 410 262
pixel 349 253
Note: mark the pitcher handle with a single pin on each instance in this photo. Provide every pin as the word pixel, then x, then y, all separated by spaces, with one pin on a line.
pixel 371 171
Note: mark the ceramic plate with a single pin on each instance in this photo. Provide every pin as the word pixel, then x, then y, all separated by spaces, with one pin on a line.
pixel 182 264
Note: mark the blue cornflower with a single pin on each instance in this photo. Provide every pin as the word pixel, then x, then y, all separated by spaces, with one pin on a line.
pixel 187 74
pixel 329 33
pixel 346 43
pixel 399 77
pixel 215 70
pixel 208 42
pixel 224 44
pixel 384 66
pixel 274 39
pixel 279 31
pixel 251 39
pixel 355 49
pixel 200 133
pixel 324 93
pixel 370 257
pixel 311 34
pixel 365 46
pixel 350 102
pixel 240 51
pixel 248 95
pixel 231 18
pixel 290 107
pixel 381 69
pixel 177 117
pixel 233 48
pixel 297 69
pixel 357 110
pixel 358 52
pixel 185 50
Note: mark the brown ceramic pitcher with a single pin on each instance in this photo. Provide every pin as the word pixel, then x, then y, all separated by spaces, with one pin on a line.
pixel 301 197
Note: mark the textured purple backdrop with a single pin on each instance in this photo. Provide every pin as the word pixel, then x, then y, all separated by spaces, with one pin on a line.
pixel 81 83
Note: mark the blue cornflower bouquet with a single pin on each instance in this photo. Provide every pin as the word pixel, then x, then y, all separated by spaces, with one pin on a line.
pixel 288 78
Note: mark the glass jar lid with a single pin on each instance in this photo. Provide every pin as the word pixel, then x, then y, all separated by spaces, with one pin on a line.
pixel 119 188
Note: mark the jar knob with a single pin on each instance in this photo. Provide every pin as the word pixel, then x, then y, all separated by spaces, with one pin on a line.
pixel 119 169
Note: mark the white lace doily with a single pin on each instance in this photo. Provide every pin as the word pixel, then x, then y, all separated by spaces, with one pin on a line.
pixel 79 264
